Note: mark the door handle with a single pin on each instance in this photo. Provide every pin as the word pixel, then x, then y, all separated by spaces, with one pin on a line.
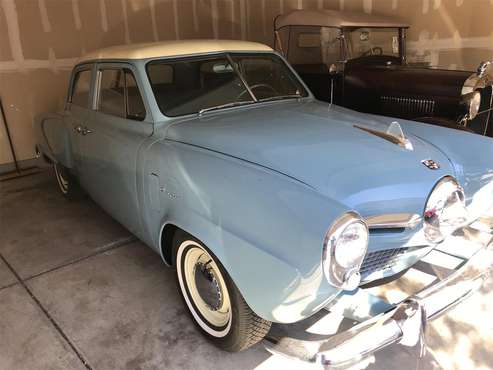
pixel 86 131
pixel 78 129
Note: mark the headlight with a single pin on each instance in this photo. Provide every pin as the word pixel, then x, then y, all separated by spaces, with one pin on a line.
pixel 345 246
pixel 473 102
pixel 445 210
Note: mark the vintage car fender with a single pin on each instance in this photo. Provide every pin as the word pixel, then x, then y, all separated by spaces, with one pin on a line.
pixel 465 151
pixel 266 229
pixel 53 138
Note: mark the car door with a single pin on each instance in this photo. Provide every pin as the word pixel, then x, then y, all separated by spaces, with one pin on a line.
pixel 78 108
pixel 111 139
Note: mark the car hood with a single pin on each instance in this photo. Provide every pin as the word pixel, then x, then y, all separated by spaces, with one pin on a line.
pixel 321 147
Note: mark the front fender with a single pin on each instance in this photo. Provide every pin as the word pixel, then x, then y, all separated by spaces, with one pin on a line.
pixel 471 155
pixel 265 228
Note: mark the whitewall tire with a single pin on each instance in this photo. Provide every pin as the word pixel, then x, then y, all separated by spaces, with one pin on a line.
pixel 67 183
pixel 213 300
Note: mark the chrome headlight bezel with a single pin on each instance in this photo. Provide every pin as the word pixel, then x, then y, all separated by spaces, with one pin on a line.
pixel 446 197
pixel 339 272
pixel 473 103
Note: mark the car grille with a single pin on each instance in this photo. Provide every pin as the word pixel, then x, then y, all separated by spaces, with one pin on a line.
pixel 407 106
pixel 381 260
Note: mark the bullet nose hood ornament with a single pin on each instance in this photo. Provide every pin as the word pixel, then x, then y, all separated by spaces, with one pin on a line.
pixel 394 134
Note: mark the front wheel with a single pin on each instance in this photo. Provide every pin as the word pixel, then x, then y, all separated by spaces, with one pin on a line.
pixel 215 303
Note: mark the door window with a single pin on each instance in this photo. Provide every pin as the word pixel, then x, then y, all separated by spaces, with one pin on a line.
pixel 119 95
pixel 135 105
pixel 112 92
pixel 81 88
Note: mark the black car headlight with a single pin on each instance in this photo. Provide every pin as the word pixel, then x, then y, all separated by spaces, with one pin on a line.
pixel 345 247
pixel 445 210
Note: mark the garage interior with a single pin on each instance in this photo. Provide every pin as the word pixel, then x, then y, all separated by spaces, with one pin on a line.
pixel 77 290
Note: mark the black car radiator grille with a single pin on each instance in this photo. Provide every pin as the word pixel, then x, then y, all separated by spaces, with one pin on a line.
pixel 407 106
pixel 381 260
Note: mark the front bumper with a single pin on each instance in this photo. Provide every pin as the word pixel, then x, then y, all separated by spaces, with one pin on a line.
pixel 404 323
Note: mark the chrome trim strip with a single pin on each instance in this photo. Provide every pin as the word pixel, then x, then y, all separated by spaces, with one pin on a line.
pixel 393 221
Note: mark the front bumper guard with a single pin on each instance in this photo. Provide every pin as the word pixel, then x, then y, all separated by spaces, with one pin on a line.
pixel 405 323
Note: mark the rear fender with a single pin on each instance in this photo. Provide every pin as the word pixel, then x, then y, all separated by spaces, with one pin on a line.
pixel 53 139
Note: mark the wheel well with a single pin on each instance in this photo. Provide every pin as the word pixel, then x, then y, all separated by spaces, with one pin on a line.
pixel 167 243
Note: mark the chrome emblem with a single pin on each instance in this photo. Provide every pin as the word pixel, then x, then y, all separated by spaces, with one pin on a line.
pixel 431 164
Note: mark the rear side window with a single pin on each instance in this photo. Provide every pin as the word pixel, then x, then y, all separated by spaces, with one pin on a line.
pixel 81 88
pixel 119 94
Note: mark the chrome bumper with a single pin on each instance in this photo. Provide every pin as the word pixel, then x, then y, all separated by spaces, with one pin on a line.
pixel 405 323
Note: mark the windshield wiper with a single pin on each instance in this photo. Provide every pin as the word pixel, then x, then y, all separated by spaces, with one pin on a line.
pixel 238 103
pixel 227 105
pixel 281 97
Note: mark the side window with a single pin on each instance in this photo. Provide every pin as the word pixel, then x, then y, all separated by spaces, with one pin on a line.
pixel 313 45
pixel 119 95
pixel 112 92
pixel 81 88
pixel 309 40
pixel 135 105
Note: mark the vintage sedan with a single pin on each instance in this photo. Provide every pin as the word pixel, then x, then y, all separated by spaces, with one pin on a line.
pixel 270 205
pixel 358 60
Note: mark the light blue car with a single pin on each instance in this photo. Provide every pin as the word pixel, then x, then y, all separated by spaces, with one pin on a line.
pixel 270 205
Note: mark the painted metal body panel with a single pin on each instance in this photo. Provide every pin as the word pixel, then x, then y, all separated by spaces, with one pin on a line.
pixel 260 185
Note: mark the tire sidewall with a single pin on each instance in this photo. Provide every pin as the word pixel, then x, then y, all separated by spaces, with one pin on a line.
pixel 225 341
pixel 215 332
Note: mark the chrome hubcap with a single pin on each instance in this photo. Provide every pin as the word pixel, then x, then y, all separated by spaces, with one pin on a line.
pixel 207 287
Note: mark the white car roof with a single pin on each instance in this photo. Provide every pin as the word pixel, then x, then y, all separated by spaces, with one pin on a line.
pixel 172 48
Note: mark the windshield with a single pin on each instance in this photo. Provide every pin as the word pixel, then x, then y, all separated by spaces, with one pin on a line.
pixel 363 42
pixel 195 85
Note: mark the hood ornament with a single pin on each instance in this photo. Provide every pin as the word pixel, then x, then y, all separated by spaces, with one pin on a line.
pixel 394 134
pixel 431 164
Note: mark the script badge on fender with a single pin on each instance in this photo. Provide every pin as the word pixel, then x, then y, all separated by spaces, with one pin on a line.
pixel 431 164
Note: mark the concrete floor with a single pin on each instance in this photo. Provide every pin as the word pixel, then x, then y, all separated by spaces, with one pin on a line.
pixel 77 291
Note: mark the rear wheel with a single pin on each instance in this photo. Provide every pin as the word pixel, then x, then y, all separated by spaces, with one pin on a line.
pixel 67 183
pixel 215 303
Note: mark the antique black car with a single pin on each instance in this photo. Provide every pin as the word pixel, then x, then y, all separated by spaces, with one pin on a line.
pixel 358 61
